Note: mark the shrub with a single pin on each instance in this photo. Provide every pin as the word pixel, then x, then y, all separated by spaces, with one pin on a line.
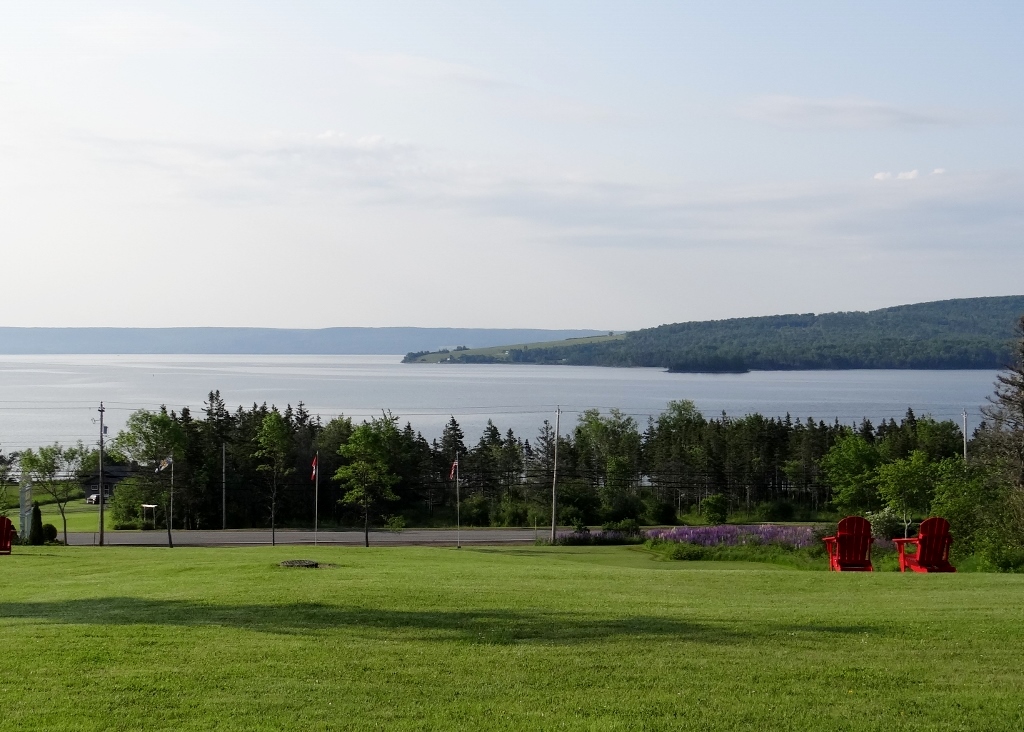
pixel 394 523
pixel 510 512
pixel 885 524
pixel 715 508
pixel 49 532
pixel 776 511
pixel 35 534
pixel 687 552
pixel 126 504
pixel 627 527
pixel 476 511
pixel 659 512
pixel 623 506
pixel 571 516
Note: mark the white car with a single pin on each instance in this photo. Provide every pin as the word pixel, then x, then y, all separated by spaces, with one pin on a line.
pixel 95 498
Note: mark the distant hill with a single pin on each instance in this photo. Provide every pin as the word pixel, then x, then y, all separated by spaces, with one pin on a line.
pixel 973 333
pixel 325 341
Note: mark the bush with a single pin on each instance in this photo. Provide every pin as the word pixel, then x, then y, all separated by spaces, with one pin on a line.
pixel 126 504
pixel 687 552
pixel 885 524
pixel 571 516
pixel 35 534
pixel 777 511
pixel 659 512
pixel 626 527
pixel 623 506
pixel 476 511
pixel 510 512
pixel 49 533
pixel 715 508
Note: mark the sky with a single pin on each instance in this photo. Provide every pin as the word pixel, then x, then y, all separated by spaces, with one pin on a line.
pixel 609 165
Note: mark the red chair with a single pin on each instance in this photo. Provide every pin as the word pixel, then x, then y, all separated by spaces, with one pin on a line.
pixel 6 535
pixel 850 549
pixel 932 548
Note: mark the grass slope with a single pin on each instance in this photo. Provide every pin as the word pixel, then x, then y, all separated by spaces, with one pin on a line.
pixel 498 638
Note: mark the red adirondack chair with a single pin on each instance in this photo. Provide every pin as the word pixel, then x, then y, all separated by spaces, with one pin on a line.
pixel 932 544
pixel 850 549
pixel 6 535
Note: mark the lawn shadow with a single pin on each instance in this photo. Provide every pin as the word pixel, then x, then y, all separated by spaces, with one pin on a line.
pixel 476 626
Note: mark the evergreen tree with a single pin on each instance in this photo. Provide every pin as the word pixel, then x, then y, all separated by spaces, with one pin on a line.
pixel 35 533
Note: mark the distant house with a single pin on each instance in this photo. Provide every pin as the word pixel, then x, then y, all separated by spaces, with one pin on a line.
pixel 112 475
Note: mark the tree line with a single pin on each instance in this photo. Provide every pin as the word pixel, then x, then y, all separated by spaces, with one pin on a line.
pixel 253 467
pixel 969 333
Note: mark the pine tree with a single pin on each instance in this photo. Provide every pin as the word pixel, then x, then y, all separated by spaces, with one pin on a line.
pixel 1003 436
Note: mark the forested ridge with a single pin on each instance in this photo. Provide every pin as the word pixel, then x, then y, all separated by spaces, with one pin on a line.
pixel 972 333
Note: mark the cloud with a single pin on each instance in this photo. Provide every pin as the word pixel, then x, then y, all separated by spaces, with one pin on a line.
pixel 938 171
pixel 803 112
pixel 331 168
pixel 398 68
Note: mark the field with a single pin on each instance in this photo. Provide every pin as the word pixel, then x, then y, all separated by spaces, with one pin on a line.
pixel 501 352
pixel 496 638
pixel 81 517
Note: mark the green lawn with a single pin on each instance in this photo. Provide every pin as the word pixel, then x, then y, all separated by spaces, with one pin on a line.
pixel 81 517
pixel 498 638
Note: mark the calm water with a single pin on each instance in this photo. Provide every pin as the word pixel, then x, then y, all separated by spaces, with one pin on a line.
pixel 47 398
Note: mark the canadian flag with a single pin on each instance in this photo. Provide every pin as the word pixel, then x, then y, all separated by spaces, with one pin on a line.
pixel 313 475
pixel 454 470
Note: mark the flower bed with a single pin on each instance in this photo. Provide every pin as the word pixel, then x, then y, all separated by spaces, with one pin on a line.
pixel 794 537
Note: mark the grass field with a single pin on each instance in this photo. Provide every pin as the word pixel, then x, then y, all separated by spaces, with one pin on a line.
pixel 501 352
pixel 81 516
pixel 496 638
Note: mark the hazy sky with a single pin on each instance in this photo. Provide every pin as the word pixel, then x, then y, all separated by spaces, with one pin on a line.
pixel 519 164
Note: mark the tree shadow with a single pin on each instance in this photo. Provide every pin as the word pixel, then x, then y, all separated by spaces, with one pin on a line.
pixel 475 626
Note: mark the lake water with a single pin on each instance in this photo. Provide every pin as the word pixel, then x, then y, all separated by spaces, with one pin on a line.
pixel 48 398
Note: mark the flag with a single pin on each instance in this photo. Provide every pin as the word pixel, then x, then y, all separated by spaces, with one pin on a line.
pixel 164 464
pixel 455 468
pixel 313 475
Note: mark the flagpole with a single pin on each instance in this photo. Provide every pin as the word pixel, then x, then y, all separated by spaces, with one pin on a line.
pixel 458 507
pixel 316 496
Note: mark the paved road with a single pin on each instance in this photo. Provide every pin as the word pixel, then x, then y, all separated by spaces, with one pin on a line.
pixel 290 536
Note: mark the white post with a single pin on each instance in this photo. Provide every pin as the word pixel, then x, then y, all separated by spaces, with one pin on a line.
pixel 554 480
pixel 316 497
pixel 458 507
pixel 26 506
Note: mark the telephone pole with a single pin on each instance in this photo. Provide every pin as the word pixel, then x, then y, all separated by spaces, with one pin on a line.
pixel 554 479
pixel 223 486
pixel 102 497
pixel 965 434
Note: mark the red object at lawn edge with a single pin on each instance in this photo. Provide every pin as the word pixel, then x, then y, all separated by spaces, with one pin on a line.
pixel 932 544
pixel 850 549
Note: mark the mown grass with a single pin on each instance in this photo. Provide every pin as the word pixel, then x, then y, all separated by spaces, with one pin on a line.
pixel 496 638
pixel 82 517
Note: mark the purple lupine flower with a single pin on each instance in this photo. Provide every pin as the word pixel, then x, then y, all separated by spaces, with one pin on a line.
pixel 797 537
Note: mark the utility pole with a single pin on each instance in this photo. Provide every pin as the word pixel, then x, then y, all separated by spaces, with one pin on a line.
pixel 965 434
pixel 223 486
pixel 102 497
pixel 554 479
